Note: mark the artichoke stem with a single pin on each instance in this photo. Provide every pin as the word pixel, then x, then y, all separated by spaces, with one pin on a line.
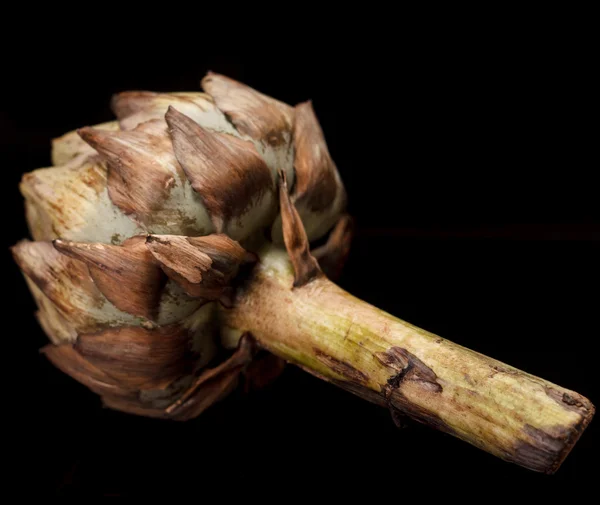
pixel 352 344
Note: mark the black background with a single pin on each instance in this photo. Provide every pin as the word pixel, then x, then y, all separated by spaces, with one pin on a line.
pixel 470 165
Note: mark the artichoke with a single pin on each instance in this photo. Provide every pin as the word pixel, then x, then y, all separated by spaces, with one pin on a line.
pixel 174 257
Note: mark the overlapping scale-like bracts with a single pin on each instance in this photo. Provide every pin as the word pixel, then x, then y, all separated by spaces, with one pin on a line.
pixel 318 193
pixel 143 223
pixel 140 314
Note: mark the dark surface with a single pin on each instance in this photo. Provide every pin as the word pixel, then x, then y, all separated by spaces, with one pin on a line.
pixel 469 170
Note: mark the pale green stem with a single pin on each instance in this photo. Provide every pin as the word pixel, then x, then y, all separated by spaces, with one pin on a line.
pixel 322 328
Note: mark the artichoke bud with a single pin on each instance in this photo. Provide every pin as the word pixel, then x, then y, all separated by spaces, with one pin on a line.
pixel 140 233
pixel 143 224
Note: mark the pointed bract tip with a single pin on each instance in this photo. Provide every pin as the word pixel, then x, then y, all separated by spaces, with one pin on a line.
pixel 91 136
pixel 179 121
pixel 172 115
pixel 85 132
pixel 306 103
pixel 121 103
pixel 16 249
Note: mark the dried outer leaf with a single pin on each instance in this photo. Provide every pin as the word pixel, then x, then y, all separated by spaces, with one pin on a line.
pixel 71 202
pixel 88 309
pixel 213 384
pixel 68 285
pixel 68 146
pixel 135 107
pixel 319 194
pixel 126 275
pixel 203 266
pixel 140 358
pixel 69 361
pixel 129 366
pixel 153 402
pixel 268 122
pixel 209 393
pixel 316 185
pixel 333 254
pixel 146 182
pixel 306 267
pixel 254 114
pixel 140 370
pixel 228 173
pixel 138 180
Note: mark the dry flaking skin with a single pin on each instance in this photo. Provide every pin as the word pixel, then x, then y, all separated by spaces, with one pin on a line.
pixel 172 260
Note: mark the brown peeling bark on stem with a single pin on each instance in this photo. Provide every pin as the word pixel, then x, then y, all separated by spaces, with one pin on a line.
pixel 323 329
